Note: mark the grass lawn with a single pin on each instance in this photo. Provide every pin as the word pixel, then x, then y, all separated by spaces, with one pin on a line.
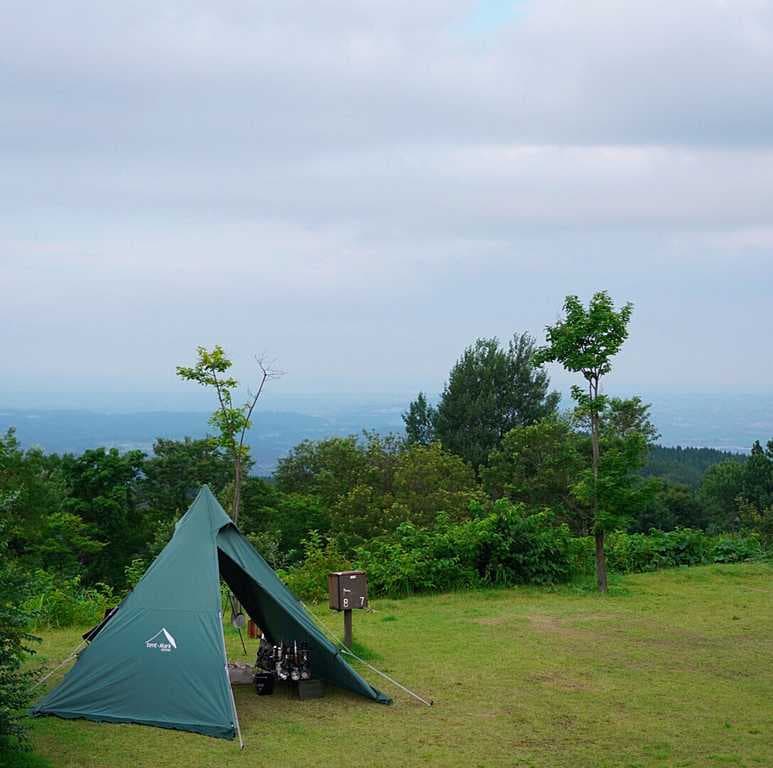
pixel 671 669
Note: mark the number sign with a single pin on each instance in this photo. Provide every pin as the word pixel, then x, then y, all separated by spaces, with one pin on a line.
pixel 348 590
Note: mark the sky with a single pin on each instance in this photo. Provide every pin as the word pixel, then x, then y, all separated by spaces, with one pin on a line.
pixel 359 190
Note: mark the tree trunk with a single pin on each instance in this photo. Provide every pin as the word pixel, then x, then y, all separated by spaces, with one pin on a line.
pixel 236 605
pixel 601 562
pixel 237 489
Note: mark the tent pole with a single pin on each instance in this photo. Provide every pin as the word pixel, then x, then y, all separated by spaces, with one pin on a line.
pixel 233 613
pixel 228 683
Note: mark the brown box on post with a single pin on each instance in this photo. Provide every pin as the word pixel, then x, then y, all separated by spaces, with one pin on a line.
pixel 347 590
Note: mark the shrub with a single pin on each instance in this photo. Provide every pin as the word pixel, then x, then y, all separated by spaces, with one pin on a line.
pixel 648 552
pixel 582 554
pixel 420 560
pixel 269 546
pixel 518 546
pixel 61 602
pixel 308 579
pixel 734 548
pixel 638 552
pixel 504 544
pixel 134 572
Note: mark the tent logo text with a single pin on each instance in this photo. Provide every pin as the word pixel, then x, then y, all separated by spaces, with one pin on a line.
pixel 162 640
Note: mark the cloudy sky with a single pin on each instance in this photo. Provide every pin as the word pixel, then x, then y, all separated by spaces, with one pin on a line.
pixel 361 189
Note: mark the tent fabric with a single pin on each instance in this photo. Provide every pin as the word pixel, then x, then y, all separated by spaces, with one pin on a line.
pixel 279 614
pixel 160 658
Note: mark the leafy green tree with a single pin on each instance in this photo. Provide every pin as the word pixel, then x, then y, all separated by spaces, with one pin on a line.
pixel 671 506
pixel 363 513
pixel 178 468
pixel 161 532
pixel 685 466
pixel 37 484
pixel 231 422
pixel 324 468
pixel 585 341
pixel 15 640
pixel 621 417
pixel 428 479
pixel 281 520
pixel 372 485
pixel 616 492
pixel 719 492
pixel 491 390
pixel 538 465
pixel 757 483
pixel 414 485
pixel 419 421
pixel 66 544
pixel 757 520
pixel 755 504
pixel 103 491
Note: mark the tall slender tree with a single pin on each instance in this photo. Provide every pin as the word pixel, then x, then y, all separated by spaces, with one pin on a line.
pixel 232 422
pixel 585 341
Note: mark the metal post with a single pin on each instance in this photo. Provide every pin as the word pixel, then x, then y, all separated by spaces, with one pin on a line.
pixel 348 627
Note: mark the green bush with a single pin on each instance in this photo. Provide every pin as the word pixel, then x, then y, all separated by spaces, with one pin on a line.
pixel 308 579
pixel 582 556
pixel 735 548
pixel 62 602
pixel 502 544
pixel 134 572
pixel 519 546
pixel 420 560
pixel 635 552
pixel 639 552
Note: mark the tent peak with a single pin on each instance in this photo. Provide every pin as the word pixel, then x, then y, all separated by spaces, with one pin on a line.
pixel 206 511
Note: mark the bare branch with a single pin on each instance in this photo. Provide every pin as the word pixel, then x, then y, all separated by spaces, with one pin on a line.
pixel 267 372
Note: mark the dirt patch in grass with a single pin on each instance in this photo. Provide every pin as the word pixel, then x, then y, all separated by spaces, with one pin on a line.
pixel 560 681
pixel 554 625
pixel 493 621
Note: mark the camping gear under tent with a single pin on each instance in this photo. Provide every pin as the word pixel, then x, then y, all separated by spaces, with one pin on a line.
pixel 160 658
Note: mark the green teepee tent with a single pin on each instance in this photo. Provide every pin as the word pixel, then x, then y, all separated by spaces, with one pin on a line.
pixel 160 659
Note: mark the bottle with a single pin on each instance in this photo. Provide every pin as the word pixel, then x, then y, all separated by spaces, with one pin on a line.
pixel 305 662
pixel 278 662
pixel 295 667
pixel 285 661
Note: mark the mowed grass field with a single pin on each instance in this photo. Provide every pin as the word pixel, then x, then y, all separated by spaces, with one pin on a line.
pixel 671 669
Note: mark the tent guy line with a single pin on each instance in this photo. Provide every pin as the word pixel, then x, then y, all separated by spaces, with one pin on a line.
pixel 387 677
pixel 342 648
pixel 72 655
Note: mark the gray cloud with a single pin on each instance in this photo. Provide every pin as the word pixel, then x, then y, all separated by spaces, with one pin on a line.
pixel 363 188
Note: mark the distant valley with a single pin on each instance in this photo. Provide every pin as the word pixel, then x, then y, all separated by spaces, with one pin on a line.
pixel 730 422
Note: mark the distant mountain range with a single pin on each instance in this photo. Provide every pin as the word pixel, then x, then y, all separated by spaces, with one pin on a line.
pixel 274 432
pixel 728 422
